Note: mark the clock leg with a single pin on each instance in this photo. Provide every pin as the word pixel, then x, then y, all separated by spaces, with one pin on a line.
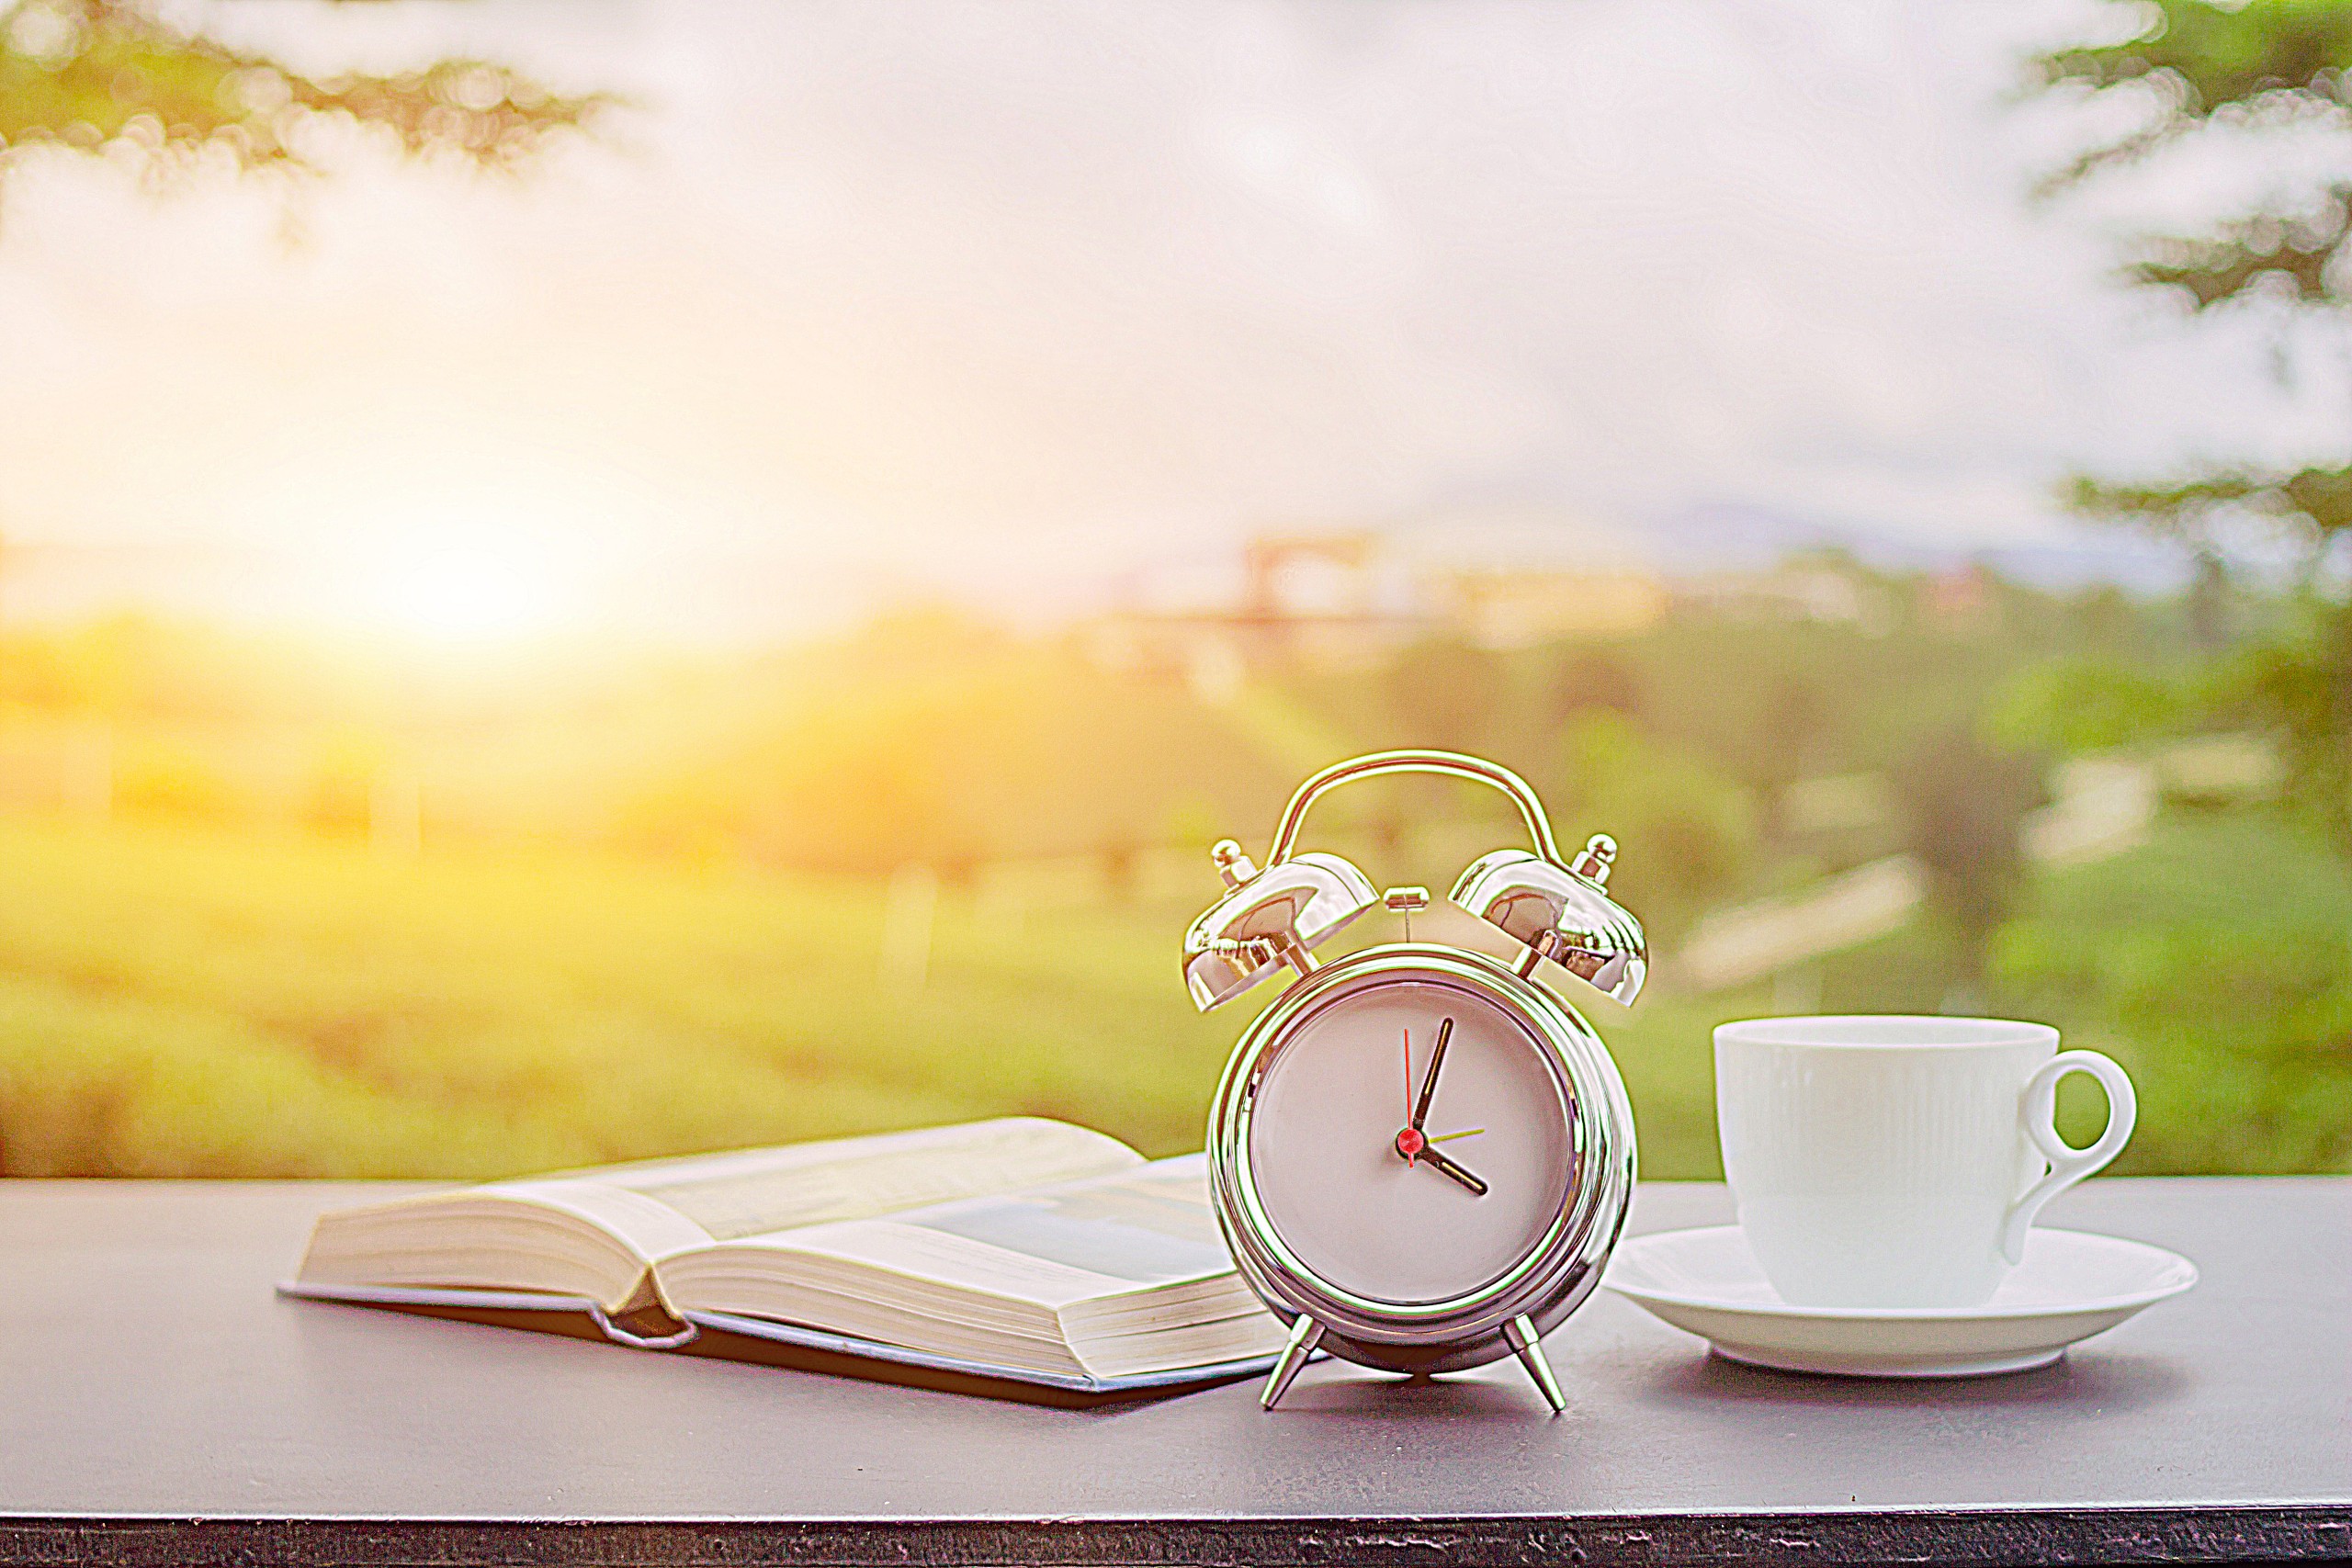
pixel 1303 1334
pixel 1521 1336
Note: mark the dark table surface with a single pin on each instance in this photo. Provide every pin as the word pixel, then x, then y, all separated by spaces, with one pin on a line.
pixel 159 1404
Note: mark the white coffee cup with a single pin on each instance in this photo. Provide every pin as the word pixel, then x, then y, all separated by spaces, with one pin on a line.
pixel 1895 1161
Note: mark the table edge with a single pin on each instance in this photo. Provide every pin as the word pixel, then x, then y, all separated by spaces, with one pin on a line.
pixel 1998 1536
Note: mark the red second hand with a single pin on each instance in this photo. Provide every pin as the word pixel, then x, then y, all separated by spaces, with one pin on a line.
pixel 1408 1134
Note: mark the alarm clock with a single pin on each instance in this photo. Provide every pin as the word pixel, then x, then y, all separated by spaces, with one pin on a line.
pixel 1420 1155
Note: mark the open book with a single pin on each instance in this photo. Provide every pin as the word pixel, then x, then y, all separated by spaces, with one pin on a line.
pixel 1022 1251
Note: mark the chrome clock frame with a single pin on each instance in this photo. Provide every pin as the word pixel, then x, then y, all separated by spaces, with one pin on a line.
pixel 1558 910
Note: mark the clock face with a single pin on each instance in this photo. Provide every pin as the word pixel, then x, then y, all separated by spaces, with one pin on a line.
pixel 1396 1183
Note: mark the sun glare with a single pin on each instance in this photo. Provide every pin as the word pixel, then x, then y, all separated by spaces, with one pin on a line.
pixel 440 572
pixel 478 591
pixel 494 561
pixel 422 534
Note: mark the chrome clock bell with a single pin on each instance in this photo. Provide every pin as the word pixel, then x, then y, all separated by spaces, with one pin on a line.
pixel 1420 1155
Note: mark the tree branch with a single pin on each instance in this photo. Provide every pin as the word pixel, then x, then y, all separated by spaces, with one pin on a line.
pixel 111 74
pixel 2253 255
pixel 2316 500
pixel 2267 61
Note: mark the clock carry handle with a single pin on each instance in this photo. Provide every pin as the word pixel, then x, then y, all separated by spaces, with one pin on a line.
pixel 1557 909
pixel 1276 917
pixel 1380 764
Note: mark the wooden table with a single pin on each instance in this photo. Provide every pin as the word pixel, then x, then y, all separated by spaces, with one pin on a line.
pixel 158 1403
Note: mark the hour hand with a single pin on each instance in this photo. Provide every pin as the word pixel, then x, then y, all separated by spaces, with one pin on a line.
pixel 1445 1163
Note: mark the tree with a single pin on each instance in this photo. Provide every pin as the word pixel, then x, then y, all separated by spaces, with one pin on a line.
pixel 1592 680
pixel 1786 730
pixel 1446 693
pixel 1686 835
pixel 117 77
pixel 2263 66
pixel 1964 805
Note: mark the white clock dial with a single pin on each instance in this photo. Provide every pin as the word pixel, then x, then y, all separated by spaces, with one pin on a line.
pixel 1384 1210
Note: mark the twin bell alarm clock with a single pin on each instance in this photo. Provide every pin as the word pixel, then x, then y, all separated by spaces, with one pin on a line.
pixel 1420 1155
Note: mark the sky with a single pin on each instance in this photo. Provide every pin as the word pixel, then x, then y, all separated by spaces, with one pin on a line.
pixel 1038 306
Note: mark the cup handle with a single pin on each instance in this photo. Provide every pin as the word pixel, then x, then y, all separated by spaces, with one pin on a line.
pixel 2068 1165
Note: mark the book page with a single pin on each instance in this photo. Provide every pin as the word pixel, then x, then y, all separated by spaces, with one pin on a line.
pixel 661 1207
pixel 1117 1234
pixel 1150 1226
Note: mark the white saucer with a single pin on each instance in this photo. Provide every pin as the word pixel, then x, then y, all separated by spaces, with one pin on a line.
pixel 2071 1286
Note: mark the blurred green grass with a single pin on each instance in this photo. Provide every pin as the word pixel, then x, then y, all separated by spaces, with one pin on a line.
pixel 184 1001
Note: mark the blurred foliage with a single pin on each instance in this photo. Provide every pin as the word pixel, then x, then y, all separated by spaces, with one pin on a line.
pixel 929 739
pixel 997 752
pixel 120 76
pixel 338 794
pixel 1448 693
pixel 2313 507
pixel 1589 679
pixel 2302 685
pixel 177 1000
pixel 162 778
pixel 2260 66
pixel 2215 963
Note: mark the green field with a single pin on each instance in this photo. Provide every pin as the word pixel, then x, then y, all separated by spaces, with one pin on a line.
pixel 181 1001
pixel 175 1001
pixel 2215 963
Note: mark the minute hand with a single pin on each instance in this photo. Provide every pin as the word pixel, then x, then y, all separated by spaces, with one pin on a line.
pixel 1429 1080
